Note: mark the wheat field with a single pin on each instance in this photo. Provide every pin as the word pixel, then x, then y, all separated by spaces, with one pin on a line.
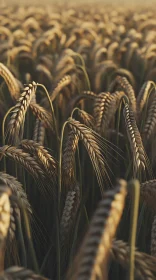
pixel 77 142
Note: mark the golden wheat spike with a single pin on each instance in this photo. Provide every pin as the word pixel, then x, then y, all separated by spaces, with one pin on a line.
pixel 4 213
pixel 11 82
pixel 140 161
pixel 92 258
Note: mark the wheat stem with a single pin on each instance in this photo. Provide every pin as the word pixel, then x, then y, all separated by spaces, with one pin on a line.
pixel 135 186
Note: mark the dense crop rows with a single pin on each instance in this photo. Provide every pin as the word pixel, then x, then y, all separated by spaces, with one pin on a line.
pixel 77 143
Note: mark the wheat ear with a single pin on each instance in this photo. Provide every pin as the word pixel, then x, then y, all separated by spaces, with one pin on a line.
pixel 44 159
pixel 65 81
pixel 16 189
pixel 68 158
pixel 18 114
pixel 42 115
pixel 69 213
pixel 93 145
pixel 39 132
pixel 137 148
pixel 21 273
pixel 143 95
pixel 85 118
pixel 11 82
pixel 122 84
pixel 151 120
pixel 5 211
pixel 101 104
pixel 93 256
pixel 144 264
pixel 19 156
